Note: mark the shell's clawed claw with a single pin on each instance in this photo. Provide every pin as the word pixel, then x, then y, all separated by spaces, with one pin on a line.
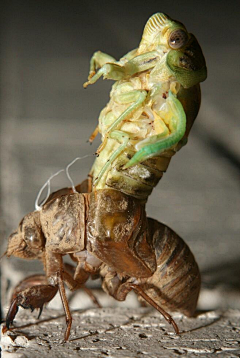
pixel 13 309
pixel 33 297
pixel 40 312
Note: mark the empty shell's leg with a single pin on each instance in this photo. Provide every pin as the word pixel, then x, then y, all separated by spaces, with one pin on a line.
pixel 65 306
pixel 78 282
pixel 32 293
pixel 119 291
pixel 28 282
pixel 166 315
pixel 92 296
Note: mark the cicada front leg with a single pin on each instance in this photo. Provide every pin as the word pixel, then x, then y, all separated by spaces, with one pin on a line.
pixel 32 292
pixel 98 60
pixel 109 68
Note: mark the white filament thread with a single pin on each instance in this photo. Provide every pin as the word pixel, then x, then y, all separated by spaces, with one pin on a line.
pixel 48 184
pixel 69 165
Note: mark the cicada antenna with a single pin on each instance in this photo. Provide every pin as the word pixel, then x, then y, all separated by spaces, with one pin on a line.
pixel 70 164
pixel 47 183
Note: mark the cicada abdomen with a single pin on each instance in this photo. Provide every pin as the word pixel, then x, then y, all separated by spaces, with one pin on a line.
pixel 175 284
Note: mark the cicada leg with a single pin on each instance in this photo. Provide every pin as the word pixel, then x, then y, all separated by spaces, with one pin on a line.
pixel 138 97
pixel 175 117
pixel 119 291
pixel 111 70
pixel 98 60
pixel 123 138
pixel 33 292
pixel 65 306
pixel 80 276
pixel 92 296
pixel 139 291
pixel 93 135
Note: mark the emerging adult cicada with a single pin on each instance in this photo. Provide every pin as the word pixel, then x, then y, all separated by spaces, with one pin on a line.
pixel 152 107
pixel 101 224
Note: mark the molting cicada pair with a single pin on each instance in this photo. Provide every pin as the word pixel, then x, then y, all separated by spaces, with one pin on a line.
pixel 102 224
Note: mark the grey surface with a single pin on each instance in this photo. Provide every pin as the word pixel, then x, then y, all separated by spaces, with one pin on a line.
pixel 122 332
pixel 46 118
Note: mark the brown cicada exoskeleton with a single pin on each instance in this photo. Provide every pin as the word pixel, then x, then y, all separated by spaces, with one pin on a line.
pixel 108 235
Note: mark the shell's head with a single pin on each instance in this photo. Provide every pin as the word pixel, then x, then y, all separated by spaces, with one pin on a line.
pixel 184 57
pixel 28 241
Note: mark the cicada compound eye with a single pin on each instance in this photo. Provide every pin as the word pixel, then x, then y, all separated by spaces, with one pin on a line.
pixel 33 238
pixel 178 38
pixel 32 234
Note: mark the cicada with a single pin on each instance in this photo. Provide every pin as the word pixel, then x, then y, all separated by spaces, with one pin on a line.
pixel 102 223
pixel 152 107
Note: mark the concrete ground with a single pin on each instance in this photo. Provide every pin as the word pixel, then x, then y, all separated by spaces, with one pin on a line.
pixel 121 332
pixel 46 118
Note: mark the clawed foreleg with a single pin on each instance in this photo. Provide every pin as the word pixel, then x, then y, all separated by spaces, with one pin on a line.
pixel 32 293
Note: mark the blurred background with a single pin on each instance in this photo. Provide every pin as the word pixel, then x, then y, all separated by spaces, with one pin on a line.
pixel 47 117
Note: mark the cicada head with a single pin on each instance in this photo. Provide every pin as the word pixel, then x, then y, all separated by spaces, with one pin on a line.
pixel 157 31
pixel 187 63
pixel 184 57
pixel 28 241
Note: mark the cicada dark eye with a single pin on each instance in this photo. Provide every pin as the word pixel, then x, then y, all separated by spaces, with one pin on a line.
pixel 33 238
pixel 178 39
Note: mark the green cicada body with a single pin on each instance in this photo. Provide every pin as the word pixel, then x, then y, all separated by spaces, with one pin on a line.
pixel 153 104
